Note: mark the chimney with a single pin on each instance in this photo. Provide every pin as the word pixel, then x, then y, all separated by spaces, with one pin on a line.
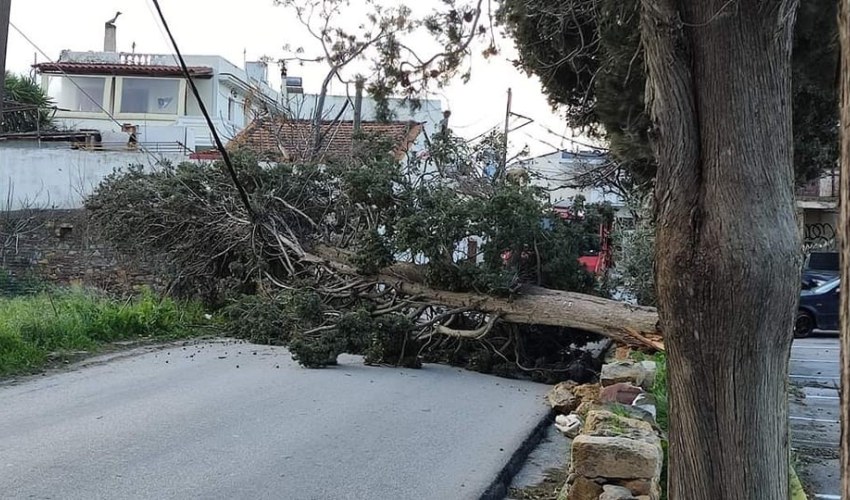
pixel 110 43
pixel 444 123
pixel 358 104
pixel 110 37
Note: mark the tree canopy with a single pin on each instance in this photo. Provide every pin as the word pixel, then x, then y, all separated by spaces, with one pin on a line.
pixel 589 58
pixel 322 265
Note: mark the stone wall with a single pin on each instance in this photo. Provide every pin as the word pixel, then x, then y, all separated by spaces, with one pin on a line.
pixel 616 452
pixel 57 246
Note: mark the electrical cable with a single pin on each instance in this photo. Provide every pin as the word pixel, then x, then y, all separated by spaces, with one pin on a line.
pixel 219 145
pixel 86 94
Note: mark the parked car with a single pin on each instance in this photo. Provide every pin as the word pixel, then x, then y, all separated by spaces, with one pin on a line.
pixel 819 309
pixel 820 268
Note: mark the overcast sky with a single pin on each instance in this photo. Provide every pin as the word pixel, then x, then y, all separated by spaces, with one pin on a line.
pixel 255 28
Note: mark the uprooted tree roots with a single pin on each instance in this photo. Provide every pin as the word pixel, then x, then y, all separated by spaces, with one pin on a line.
pixel 368 256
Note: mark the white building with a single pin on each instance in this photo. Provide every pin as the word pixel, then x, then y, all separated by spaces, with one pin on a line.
pixel 115 92
pixel 566 174
pixel 428 112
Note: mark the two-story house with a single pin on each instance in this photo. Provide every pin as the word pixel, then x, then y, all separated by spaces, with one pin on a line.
pixel 111 91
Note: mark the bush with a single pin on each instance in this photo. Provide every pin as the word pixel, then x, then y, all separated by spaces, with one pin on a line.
pixel 63 321
pixel 271 319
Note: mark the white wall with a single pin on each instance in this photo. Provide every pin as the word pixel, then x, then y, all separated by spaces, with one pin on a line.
pixel 302 106
pixel 553 171
pixel 61 178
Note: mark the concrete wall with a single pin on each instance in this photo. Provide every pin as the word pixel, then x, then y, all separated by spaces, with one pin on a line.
pixel 61 178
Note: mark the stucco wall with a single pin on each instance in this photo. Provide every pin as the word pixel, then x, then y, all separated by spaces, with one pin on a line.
pixel 61 178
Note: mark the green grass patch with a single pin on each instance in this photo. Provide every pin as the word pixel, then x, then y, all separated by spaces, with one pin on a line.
pixel 34 328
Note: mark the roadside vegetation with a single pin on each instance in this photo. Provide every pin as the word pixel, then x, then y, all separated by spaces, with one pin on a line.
pixel 58 324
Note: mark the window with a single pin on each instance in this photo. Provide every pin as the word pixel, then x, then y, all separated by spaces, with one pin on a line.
pixel 150 96
pixel 77 93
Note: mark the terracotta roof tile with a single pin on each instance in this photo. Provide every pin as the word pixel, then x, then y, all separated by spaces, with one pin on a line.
pixel 290 139
pixel 120 69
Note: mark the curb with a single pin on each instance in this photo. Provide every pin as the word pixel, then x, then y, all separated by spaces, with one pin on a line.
pixel 498 489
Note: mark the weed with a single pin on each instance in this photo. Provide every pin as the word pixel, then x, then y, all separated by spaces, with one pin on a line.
pixel 60 321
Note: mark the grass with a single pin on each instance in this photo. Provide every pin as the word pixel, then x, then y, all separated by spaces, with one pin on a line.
pixel 37 328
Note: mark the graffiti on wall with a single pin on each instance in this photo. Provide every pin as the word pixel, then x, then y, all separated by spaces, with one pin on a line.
pixel 819 235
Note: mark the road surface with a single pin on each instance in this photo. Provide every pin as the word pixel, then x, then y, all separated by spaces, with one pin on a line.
pixel 232 421
pixel 814 410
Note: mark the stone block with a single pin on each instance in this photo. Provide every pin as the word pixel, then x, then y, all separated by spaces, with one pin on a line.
pixel 613 492
pixel 623 393
pixel 606 423
pixel 584 489
pixel 626 371
pixel 562 399
pixel 616 457
pixel 640 487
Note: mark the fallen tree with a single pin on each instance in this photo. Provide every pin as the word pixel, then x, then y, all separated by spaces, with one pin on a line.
pixel 529 305
pixel 371 255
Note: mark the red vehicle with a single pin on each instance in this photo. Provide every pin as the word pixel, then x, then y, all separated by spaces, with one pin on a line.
pixel 595 262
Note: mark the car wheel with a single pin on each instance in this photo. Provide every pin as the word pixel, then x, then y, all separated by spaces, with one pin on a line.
pixel 804 326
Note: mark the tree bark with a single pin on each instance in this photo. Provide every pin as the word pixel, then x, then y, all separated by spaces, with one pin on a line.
pixel 624 323
pixel 844 237
pixel 727 246
pixel 619 321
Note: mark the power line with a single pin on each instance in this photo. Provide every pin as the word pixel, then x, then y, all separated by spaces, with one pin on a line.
pixel 86 94
pixel 219 145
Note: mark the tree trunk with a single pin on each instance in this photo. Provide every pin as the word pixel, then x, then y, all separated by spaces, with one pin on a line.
pixel 316 132
pixel 844 237
pixel 625 323
pixel 727 249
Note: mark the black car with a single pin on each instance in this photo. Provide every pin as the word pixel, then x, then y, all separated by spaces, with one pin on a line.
pixel 819 307
pixel 820 268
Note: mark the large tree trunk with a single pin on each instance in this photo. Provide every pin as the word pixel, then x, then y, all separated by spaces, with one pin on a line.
pixel 728 257
pixel 619 321
pixel 624 323
pixel 844 236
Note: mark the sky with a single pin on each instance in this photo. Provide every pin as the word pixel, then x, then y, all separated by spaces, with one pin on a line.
pixel 251 29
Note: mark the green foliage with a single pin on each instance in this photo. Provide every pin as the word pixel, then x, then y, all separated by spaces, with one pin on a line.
pixel 659 391
pixel 389 342
pixel 24 91
pixel 32 327
pixel 634 260
pixel 588 56
pixel 316 350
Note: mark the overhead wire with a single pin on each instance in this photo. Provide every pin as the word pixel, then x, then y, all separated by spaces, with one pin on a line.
pixel 83 91
pixel 219 145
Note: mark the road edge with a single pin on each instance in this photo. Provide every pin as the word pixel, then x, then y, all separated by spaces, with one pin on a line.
pixel 498 488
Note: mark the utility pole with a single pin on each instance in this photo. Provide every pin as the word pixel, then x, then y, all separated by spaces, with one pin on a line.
pixel 5 12
pixel 504 163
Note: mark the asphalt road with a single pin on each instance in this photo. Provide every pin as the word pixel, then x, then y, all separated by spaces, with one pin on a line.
pixel 236 421
pixel 814 411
